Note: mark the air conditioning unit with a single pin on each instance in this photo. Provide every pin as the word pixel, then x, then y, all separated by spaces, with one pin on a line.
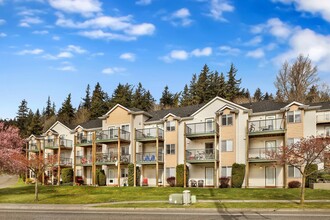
pixel 176 199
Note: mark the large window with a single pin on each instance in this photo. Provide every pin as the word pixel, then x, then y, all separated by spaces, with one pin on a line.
pixel 124 172
pixel 170 148
pixel 125 127
pixel 226 145
pixel 226 171
pixel 294 172
pixel 170 171
pixel 227 120
pixel 294 116
pixel 293 140
pixel 170 126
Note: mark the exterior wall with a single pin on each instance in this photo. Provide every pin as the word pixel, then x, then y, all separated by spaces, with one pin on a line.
pixel 118 116
pixel 171 137
pixel 258 175
pixel 309 119
pixel 228 133
pixel 296 130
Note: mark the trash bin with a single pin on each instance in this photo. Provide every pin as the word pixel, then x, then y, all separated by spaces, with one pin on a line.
pixel 186 197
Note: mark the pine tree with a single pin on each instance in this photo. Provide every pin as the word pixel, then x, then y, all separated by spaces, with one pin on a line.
pixel 22 116
pixel 233 84
pixel 66 113
pixel 87 100
pixel 49 111
pixel 99 104
pixel 202 85
pixel 36 125
pixel 122 95
pixel 193 90
pixel 266 96
pixel 185 99
pixel 258 96
pixel 167 99
pixel 142 99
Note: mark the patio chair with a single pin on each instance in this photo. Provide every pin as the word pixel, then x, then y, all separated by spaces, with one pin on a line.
pixel 152 158
pixel 200 183
pixel 147 158
pixel 193 183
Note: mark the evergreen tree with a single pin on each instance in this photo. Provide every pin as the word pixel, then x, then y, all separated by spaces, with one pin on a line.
pixel 193 90
pixel 258 96
pixel 122 95
pixel 66 113
pixel 202 85
pixel 54 108
pixel 221 85
pixel 233 84
pixel 87 100
pixel 167 99
pixel 185 97
pixel 22 116
pixel 142 98
pixel 98 103
pixel 49 111
pixel 266 96
pixel 36 125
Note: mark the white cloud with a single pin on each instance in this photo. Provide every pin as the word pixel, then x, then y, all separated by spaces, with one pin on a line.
pixel 113 70
pixel 218 7
pixel 207 51
pixel 318 7
pixel 40 32
pixel 56 38
pixel 68 68
pixel 257 54
pixel 99 34
pixel 275 27
pixel 2 21
pixel 32 52
pixel 227 50
pixel 128 56
pixel 179 54
pixel 308 43
pixel 84 7
pixel 141 29
pixel 28 21
pixel 49 57
pixel 76 49
pixel 180 17
pixel 3 35
pixel 254 41
pixel 97 54
pixel 65 55
pixel 143 2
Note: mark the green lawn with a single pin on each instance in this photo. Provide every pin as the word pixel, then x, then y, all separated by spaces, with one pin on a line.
pixel 88 194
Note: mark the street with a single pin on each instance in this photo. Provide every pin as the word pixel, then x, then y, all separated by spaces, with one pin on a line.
pixel 157 214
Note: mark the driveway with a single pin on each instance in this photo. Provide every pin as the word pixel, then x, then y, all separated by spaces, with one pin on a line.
pixel 7 180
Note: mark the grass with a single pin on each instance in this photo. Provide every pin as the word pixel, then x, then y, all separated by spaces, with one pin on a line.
pixel 22 193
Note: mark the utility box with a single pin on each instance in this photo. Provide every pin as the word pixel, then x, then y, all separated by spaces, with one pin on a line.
pixel 175 199
pixel 186 197
pixel 193 199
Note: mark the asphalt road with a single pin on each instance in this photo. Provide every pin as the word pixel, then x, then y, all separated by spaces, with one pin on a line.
pixel 7 180
pixel 158 215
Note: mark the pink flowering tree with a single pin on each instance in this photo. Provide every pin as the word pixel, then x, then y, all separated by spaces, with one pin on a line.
pixel 307 151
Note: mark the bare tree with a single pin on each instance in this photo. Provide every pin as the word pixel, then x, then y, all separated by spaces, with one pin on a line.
pixel 307 151
pixel 294 81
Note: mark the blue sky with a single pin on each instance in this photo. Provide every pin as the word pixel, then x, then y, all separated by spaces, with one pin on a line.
pixel 57 47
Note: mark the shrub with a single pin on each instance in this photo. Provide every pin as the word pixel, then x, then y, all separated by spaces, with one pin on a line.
pixel 311 178
pixel 224 182
pixel 67 175
pixel 138 176
pixel 79 180
pixel 294 184
pixel 237 176
pixel 179 175
pixel 29 181
pixel 102 179
pixel 171 181
pixel 131 175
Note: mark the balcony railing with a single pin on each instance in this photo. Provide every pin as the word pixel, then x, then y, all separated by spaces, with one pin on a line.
pixel 202 155
pixel 85 139
pixel 261 153
pixel 266 126
pixel 65 143
pixel 112 135
pixel 323 118
pixel 149 134
pixel 202 128
pixel 33 147
pixel 80 160
pixel 51 144
pixel 149 157
pixel 103 158
pixel 65 161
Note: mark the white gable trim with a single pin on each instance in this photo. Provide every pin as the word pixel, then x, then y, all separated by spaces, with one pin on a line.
pixel 219 99
pixel 113 108
pixel 294 103
pixel 57 122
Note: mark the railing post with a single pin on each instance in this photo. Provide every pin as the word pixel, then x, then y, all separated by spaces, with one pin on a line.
pixel 118 158
pixel 134 155
pixel 59 161
pixel 157 165
pixel 184 155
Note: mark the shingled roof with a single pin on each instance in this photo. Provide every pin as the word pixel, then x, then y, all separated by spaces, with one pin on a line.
pixel 180 112
pixel 264 106
pixel 96 123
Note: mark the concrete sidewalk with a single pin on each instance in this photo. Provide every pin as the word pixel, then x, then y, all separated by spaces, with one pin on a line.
pixel 7 180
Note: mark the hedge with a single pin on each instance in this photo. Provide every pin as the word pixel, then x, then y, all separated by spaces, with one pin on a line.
pixel 237 175
pixel 311 178
pixel 131 175
pixel 101 179
pixel 67 175
pixel 179 175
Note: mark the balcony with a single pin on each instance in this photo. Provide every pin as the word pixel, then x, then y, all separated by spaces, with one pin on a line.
pixel 33 148
pixel 111 135
pixel 149 134
pixel 67 162
pixel 267 127
pixel 202 130
pixel 261 154
pixel 66 144
pixel 51 144
pixel 149 158
pixel 202 155
pixel 83 161
pixel 323 118
pixel 85 140
pixel 111 158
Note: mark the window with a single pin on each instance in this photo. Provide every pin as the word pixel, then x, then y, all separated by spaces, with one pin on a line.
pixel 170 148
pixel 226 171
pixel 124 151
pixel 125 127
pixel 209 148
pixel 209 124
pixel 327 131
pixel 124 172
pixel 226 145
pixel 170 126
pixel 270 145
pixel 294 116
pixel 227 120
pixel 294 172
pixel 78 173
pixel 170 171
pixel 293 140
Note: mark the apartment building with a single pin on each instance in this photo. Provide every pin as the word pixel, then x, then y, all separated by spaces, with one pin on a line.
pixel 207 138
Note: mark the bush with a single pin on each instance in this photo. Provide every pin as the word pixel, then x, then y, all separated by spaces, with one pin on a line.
pixel 179 175
pixel 311 178
pixel 79 180
pixel 237 176
pixel 131 175
pixel 101 179
pixel 294 184
pixel 138 176
pixel 29 181
pixel 171 181
pixel 67 175
pixel 224 182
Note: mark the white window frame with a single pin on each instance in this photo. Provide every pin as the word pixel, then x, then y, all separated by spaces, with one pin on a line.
pixel 170 171
pixel 123 172
pixel 296 172
pixel 226 147
pixel 293 116
pixel 226 118
pixel 227 170
pixel 171 149
pixel 124 125
pixel 170 126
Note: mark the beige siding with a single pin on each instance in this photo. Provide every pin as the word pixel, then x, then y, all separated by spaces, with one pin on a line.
pixel 296 130
pixel 118 116
pixel 228 133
